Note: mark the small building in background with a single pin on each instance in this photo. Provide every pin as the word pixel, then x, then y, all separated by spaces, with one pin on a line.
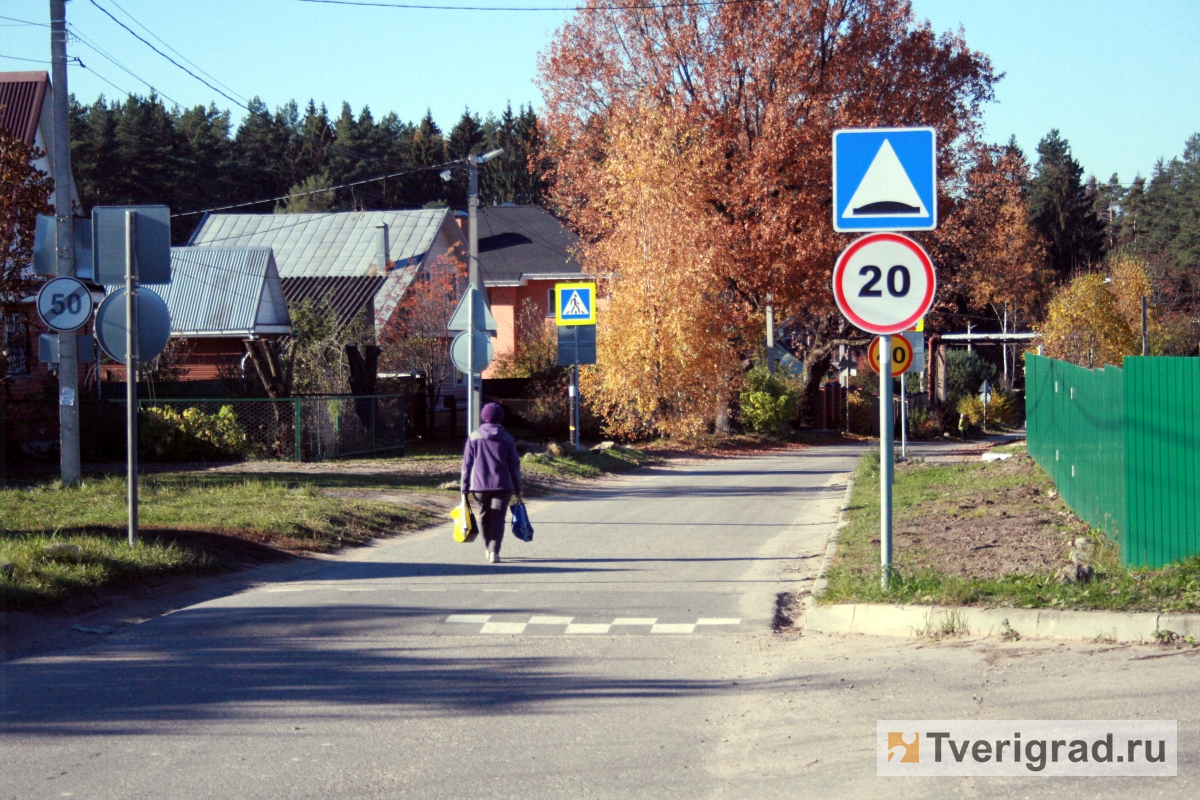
pixel 29 418
pixel 362 262
pixel 523 252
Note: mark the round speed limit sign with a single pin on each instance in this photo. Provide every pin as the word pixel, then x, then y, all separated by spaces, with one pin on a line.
pixel 884 283
pixel 902 355
pixel 64 304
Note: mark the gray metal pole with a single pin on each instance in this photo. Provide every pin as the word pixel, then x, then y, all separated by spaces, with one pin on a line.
pixel 886 458
pixel 131 366
pixel 770 336
pixel 1145 329
pixel 68 357
pixel 472 409
pixel 473 276
pixel 903 420
pixel 575 389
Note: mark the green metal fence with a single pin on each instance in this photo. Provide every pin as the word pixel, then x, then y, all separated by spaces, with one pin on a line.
pixel 1123 447
pixel 295 428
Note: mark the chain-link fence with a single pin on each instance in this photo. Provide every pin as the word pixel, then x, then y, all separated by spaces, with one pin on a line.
pixel 295 428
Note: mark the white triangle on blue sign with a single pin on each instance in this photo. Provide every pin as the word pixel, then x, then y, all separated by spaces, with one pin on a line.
pixel 575 306
pixel 886 190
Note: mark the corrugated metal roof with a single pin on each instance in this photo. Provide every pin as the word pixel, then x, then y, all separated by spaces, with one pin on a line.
pixel 347 296
pixel 21 95
pixel 224 291
pixel 328 245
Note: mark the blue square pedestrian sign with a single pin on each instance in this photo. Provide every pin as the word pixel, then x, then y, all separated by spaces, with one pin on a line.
pixel 884 179
pixel 575 303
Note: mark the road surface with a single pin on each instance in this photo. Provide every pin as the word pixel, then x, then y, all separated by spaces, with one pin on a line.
pixel 627 652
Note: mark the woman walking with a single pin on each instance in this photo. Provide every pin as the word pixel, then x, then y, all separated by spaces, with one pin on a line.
pixel 492 472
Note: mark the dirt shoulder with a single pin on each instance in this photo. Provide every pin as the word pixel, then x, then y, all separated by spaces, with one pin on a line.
pixel 995 533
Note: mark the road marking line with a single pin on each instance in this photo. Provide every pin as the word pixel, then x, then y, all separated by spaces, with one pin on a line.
pixel 672 628
pixel 719 621
pixel 503 627
pixel 498 590
pixel 358 588
pixel 635 620
pixel 588 627
pixel 469 618
pixel 550 620
pixel 427 590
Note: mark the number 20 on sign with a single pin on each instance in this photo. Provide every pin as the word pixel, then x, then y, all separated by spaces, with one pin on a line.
pixel 884 283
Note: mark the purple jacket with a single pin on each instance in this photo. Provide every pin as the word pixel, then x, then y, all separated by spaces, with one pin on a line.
pixel 490 462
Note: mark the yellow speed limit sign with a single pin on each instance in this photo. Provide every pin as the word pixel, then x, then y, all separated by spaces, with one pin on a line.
pixel 902 355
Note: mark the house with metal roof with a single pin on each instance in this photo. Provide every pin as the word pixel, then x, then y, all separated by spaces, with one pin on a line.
pixel 26 113
pixel 218 298
pixel 523 252
pixel 362 262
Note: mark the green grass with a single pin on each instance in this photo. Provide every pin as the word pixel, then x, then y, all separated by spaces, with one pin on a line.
pixel 265 510
pixel 41 568
pixel 854 577
pixel 590 464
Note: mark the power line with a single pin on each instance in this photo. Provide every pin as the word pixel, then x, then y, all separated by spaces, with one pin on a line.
pixel 34 60
pixel 137 36
pixel 25 21
pixel 408 171
pixel 632 7
pixel 104 54
pixel 101 77
pixel 172 49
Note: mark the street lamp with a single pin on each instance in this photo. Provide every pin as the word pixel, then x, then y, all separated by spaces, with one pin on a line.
pixel 473 163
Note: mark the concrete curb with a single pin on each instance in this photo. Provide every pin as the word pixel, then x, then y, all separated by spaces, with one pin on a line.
pixel 822 582
pixel 879 619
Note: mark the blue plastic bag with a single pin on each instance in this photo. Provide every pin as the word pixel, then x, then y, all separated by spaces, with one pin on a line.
pixel 521 527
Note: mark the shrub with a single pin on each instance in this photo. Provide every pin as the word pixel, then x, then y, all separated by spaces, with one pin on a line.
pixel 1001 411
pixel 191 435
pixel 769 402
pixel 966 370
pixel 924 425
pixel 864 414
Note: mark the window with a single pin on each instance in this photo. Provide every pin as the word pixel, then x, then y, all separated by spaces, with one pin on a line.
pixel 14 338
pixel 550 302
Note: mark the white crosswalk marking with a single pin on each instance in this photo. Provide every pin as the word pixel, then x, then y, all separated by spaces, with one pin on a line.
pixel 635 620
pixel 469 618
pixel 503 627
pixel 672 628
pixel 584 627
pixel 550 620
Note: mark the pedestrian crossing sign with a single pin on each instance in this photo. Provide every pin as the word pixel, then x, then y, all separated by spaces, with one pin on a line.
pixel 575 303
pixel 885 179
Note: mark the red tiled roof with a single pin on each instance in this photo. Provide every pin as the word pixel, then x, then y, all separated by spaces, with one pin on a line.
pixel 21 95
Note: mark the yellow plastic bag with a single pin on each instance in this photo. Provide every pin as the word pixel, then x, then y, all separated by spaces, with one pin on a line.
pixel 465 529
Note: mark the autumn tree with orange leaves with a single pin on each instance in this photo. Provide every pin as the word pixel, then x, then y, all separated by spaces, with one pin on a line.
pixel 756 89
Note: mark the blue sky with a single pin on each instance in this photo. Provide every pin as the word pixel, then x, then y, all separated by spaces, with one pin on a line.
pixel 1121 80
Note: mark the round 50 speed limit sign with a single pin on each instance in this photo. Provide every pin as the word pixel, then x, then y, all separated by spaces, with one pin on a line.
pixel 884 283
pixel 64 304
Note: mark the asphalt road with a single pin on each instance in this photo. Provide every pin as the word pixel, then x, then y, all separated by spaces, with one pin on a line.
pixel 626 652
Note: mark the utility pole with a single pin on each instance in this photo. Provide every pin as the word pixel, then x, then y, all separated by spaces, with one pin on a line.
pixel 770 336
pixel 1145 329
pixel 474 392
pixel 68 359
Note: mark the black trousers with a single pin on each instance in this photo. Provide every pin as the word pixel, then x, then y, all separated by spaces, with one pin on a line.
pixel 493 506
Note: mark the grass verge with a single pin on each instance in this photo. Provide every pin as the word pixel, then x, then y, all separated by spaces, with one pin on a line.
pixel 976 503
pixel 56 542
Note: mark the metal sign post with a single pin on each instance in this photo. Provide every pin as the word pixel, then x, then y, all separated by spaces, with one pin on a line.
pixel 903 420
pixel 131 366
pixel 886 466
pixel 885 300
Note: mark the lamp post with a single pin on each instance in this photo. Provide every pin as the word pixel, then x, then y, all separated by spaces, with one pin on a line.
pixel 473 391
